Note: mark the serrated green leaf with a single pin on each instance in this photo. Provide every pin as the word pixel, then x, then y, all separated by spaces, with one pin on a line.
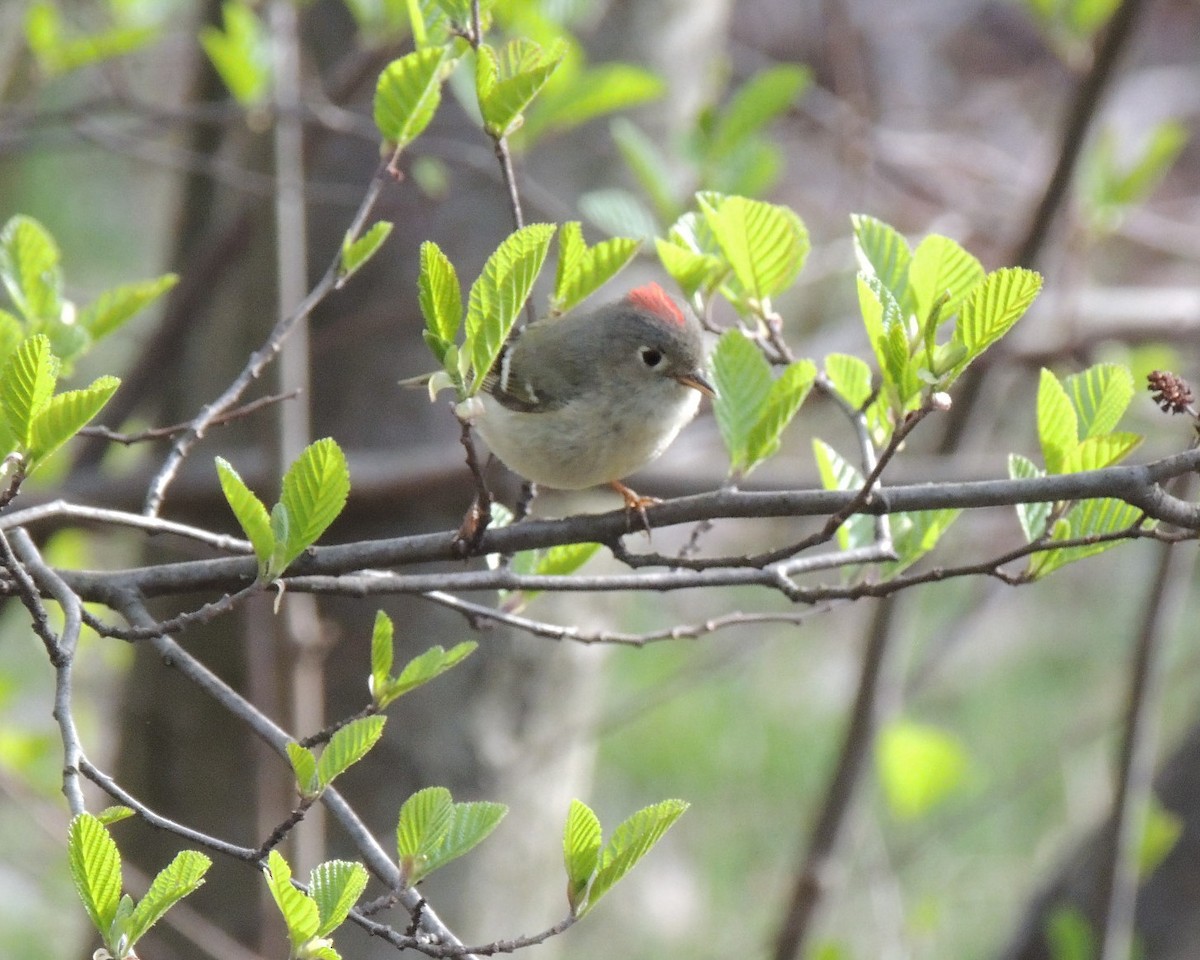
pixel 95 868
pixel 250 512
pixel 115 814
pixel 1058 425
pixel 880 312
pixel 470 825
pixel 581 851
pixel 240 53
pixel 582 270
pixel 1095 453
pixel 647 164
pixel 1090 518
pixel 30 269
pixel 760 100
pixel 631 841
pixel 408 93
pixel 1031 516
pixel 425 818
pixel 347 746
pixel 355 253
pixel 500 292
pixel 564 559
pixel 940 266
pixel 26 385
pixel 786 395
pixel 508 80
pixel 315 489
pixel 335 887
pixel 883 253
pixel 994 306
pixel 58 53
pixel 618 213
pixel 299 912
pixel 919 766
pixel 742 377
pixel 915 534
pixel 421 669
pixel 765 244
pixel 65 415
pixel 304 766
pixel 383 651
pixel 174 882
pixel 11 335
pixel 589 94
pixel 114 307
pixel 1101 395
pixel 850 376
pixel 691 270
pixel 837 474
pixel 440 297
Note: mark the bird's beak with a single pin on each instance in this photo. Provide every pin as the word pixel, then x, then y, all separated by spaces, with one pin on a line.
pixel 697 381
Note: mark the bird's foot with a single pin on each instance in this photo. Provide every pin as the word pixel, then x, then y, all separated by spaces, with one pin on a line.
pixel 635 503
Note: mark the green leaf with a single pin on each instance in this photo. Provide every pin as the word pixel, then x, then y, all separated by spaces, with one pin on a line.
pixel 742 377
pixel 355 253
pixel 421 669
pixel 174 882
pixel 1095 453
pixel 581 851
pixel 382 651
pixel 1032 516
pixel 440 297
pixel 1162 831
pixel 919 766
pixel 787 393
pixel 304 766
pixel 425 818
pixel 408 93
pixel 850 377
pixel 63 417
pixel 1058 425
pixel 26 385
pixel 115 814
pixel 631 841
pixel 347 746
pixel 11 335
pixel 691 270
pixel 299 911
pixel 589 94
pixel 765 244
pixel 647 164
pixel 315 489
pixel 30 269
pixel 470 825
pixel 883 253
pixel 940 266
pixel 250 512
pixel 564 559
pixel 1087 519
pixel 57 53
pixel 1101 395
pixel 507 81
pixel 837 474
pixel 583 270
pixel 113 308
pixel 335 887
pixel 240 53
pixel 500 292
pixel 1070 936
pixel 994 306
pixel 618 213
pixel 760 100
pixel 95 868
pixel 915 534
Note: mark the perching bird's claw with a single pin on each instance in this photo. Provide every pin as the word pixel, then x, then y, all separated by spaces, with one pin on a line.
pixel 635 503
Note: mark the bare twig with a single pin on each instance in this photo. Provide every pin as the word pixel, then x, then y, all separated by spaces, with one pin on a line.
pixel 165 433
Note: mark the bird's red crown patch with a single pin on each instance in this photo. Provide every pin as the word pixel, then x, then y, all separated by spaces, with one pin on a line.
pixel 652 297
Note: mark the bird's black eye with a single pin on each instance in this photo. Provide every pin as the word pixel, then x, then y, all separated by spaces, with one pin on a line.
pixel 651 357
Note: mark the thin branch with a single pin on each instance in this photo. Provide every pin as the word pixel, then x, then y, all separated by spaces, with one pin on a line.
pixel 165 433
pixel 59 510
pixel 205 614
pixel 261 357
